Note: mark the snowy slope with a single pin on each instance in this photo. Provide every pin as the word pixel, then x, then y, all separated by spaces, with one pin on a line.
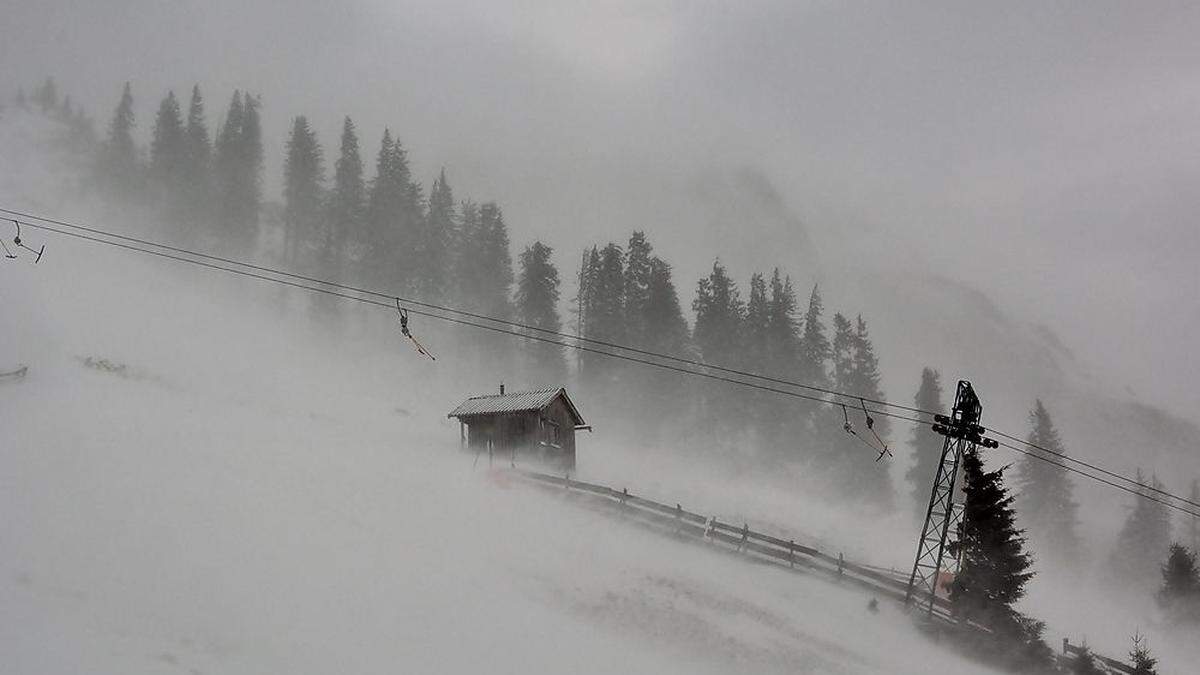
pixel 257 495
pixel 245 499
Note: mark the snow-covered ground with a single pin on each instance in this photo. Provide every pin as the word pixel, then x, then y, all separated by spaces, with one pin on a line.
pixel 244 498
pixel 252 494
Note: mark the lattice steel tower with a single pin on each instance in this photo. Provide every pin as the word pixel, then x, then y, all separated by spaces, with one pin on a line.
pixel 962 432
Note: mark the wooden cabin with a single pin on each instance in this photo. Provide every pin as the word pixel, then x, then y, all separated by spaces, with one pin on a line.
pixel 535 426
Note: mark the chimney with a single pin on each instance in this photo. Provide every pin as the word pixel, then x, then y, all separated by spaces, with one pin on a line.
pixel 501 388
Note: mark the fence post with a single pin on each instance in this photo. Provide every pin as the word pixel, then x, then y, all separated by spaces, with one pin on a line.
pixel 791 553
pixel 567 482
pixel 841 564
pixel 745 536
pixel 678 517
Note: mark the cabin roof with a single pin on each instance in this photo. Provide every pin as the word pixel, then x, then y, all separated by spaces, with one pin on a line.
pixel 534 400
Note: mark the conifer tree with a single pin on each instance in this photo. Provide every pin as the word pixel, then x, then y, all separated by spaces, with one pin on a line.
pixel 1145 536
pixel 842 353
pixel 168 152
pixel 238 172
pixel 666 330
pixel 720 314
pixel 384 199
pixel 537 305
pixel 782 330
pixel 926 445
pixel 303 175
pixel 815 349
pixel 496 261
pixel 994 568
pixel 435 241
pixel 604 309
pixel 393 213
pixel 118 169
pixel 1179 594
pixel 347 202
pixel 1140 659
pixel 407 219
pixel 756 325
pixel 495 278
pixel 466 250
pixel 719 334
pixel 197 165
pixel 227 168
pixel 782 426
pixel 637 287
pixel 1046 493
pixel 755 356
pixel 250 146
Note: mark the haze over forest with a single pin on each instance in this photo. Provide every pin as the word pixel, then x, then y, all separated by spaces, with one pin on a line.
pixel 854 198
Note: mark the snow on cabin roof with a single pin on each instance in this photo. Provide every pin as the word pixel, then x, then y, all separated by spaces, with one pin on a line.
pixel 517 401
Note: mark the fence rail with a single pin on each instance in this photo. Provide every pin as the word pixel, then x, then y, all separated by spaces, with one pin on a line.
pixel 785 553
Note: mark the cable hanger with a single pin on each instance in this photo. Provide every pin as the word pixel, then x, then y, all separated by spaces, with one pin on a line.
pixel 408 334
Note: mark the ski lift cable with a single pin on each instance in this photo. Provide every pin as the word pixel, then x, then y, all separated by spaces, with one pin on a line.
pixel 460 321
pixel 1093 467
pixel 1105 481
pixel 460 312
pixel 579 347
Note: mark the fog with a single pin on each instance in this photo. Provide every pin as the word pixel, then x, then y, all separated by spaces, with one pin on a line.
pixel 1005 193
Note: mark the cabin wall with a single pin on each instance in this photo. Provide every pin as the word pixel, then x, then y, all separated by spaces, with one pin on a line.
pixel 528 434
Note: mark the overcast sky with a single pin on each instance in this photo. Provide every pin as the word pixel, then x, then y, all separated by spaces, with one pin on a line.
pixel 1048 153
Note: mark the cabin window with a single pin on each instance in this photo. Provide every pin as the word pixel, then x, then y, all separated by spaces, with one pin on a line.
pixel 553 434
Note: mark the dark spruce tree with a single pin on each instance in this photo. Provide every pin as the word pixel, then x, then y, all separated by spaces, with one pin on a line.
pixel 666 330
pixel 815 350
pixel 604 312
pixel 1047 505
pixel 118 171
pixel 994 571
pixel 782 425
pixel 393 213
pixel 494 292
pixel 238 174
pixel 465 251
pixel 1140 660
pixel 168 159
pixel 719 336
pixel 1142 541
pixel 926 445
pixel 197 166
pixel 1179 594
pixel 347 205
pixel 537 306
pixel 303 217
pixel 434 245
pixel 755 357
pixel 637 287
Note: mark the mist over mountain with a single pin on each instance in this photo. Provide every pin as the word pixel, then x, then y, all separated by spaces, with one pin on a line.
pixel 870 201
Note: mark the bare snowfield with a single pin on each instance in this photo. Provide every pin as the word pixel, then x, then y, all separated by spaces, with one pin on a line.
pixel 244 499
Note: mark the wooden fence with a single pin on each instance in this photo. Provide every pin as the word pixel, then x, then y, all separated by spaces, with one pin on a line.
pixel 786 553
